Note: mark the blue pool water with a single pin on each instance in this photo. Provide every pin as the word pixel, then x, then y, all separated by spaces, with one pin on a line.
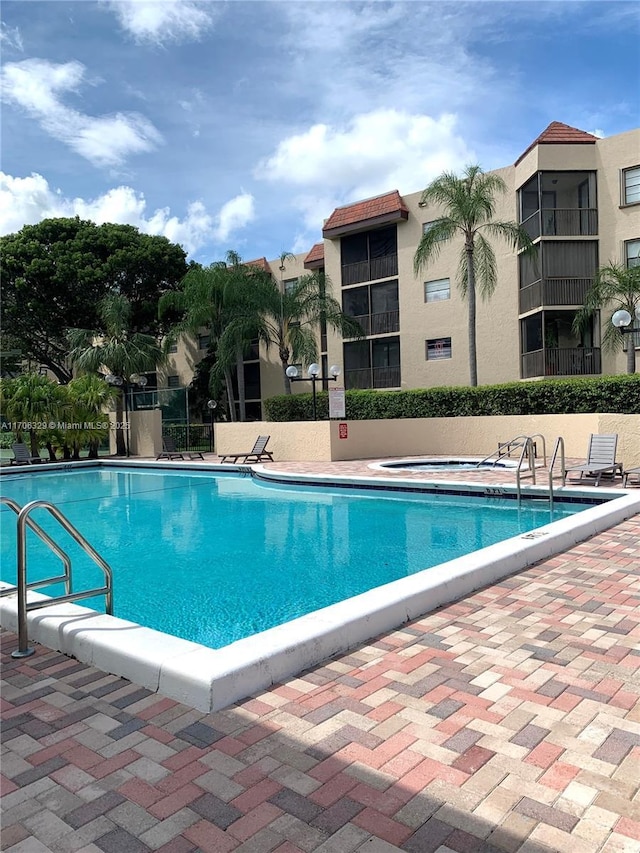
pixel 216 557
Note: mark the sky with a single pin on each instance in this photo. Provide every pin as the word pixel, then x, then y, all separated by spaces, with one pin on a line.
pixel 242 125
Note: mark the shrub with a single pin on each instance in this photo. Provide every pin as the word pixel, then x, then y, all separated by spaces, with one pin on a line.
pixel 611 394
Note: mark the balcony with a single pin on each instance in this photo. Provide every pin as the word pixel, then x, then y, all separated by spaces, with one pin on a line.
pixel 561 361
pixel 375 268
pixel 379 324
pixel 553 291
pixel 372 377
pixel 562 222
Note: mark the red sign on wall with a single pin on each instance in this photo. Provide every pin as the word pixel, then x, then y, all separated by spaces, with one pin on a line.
pixel 343 431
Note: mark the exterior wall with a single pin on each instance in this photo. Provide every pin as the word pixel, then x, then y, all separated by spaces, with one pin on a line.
pixel 497 327
pixel 320 440
pixel 145 433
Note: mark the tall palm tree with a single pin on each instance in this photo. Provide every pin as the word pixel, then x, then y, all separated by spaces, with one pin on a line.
pixel 290 320
pixel 616 288
pixel 115 350
pixel 212 298
pixel 469 206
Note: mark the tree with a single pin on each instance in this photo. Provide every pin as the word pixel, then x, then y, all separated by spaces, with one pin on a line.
pixel 614 288
pixel 117 351
pixel 36 402
pixel 56 273
pixel 291 319
pixel 469 206
pixel 89 396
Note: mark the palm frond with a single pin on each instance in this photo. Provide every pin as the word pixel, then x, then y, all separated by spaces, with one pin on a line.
pixel 484 263
pixel 432 242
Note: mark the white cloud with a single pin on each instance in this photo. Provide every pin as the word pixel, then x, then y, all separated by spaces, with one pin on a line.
pixel 36 85
pixel 10 37
pixel 26 201
pixel 161 21
pixel 374 152
pixel 235 214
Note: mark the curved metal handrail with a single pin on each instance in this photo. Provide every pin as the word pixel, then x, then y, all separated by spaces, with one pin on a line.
pixel 57 550
pixel 107 590
pixel 559 446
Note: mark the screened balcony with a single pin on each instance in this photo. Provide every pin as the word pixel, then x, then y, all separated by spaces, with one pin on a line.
pixel 561 273
pixel 374 306
pixel 550 347
pixel 369 255
pixel 561 361
pixel 559 204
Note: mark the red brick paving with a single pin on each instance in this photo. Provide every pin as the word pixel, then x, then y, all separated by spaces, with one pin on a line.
pixel 507 721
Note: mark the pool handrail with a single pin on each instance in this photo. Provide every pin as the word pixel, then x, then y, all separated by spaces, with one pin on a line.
pixel 23 649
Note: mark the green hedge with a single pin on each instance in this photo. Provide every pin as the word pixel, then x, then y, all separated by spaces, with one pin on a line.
pixel 614 394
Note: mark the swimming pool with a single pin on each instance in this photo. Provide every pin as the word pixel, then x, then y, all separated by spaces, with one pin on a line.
pixel 215 557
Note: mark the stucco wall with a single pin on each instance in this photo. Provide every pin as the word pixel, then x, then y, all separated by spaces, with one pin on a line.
pixel 320 441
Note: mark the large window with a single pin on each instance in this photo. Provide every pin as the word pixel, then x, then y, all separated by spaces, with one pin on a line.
pixel 289 284
pixel 632 253
pixel 436 291
pixel 631 185
pixel 438 349
pixel 372 364
pixel 374 306
pixel 369 255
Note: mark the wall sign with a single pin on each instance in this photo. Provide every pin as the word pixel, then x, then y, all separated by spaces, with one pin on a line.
pixel 343 431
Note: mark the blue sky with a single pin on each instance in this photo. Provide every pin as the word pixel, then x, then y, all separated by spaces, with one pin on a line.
pixel 241 125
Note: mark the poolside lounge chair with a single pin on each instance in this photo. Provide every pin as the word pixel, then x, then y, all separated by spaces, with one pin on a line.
pixel 257 454
pixel 601 459
pixel 630 472
pixel 22 455
pixel 169 450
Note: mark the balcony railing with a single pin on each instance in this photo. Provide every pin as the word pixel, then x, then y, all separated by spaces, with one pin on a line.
pixel 385 267
pixel 379 324
pixel 561 361
pixel 562 222
pixel 372 377
pixel 553 291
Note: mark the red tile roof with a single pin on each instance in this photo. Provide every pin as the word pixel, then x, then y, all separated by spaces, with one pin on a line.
pixel 560 134
pixel 315 258
pixel 263 263
pixel 386 208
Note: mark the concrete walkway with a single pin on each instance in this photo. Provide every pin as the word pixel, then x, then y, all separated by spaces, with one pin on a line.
pixel 508 721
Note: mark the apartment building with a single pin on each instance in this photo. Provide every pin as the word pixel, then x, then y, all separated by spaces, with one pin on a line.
pixel 578 198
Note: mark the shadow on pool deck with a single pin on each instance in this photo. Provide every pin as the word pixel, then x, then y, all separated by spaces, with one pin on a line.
pixel 507 721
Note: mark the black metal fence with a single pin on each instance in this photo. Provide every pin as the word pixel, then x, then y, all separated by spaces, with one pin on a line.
pixel 190 436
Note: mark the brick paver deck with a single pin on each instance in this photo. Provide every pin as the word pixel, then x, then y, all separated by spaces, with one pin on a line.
pixel 507 721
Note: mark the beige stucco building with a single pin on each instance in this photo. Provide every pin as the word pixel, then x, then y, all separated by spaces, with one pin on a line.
pixel 577 196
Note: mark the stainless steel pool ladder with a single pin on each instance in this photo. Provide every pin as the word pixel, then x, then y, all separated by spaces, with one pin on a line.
pixel 24 521
pixel 557 450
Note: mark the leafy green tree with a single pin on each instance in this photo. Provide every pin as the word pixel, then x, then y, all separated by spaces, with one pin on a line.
pixel 614 288
pixel 89 397
pixel 468 205
pixel 56 273
pixel 290 320
pixel 34 401
pixel 115 349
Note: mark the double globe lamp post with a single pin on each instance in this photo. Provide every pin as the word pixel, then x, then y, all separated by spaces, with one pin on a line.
pixel 314 377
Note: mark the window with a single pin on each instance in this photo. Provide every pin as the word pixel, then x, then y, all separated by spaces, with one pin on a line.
pixel 438 348
pixel 632 253
pixel 289 284
pixel 173 381
pixel 173 347
pixel 435 291
pixel 631 185
pixel 372 363
pixel 427 226
pixel 374 306
pixel 203 341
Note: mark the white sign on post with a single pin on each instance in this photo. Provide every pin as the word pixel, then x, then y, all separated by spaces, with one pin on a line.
pixel 336 403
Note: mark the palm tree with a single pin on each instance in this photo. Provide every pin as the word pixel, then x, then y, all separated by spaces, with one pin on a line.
pixel 115 350
pixel 89 395
pixel 290 320
pixel 469 205
pixel 616 288
pixel 211 298
pixel 35 401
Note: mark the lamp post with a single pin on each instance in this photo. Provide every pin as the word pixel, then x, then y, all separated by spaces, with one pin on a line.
pixel 314 377
pixel 125 384
pixel 212 405
pixel 623 321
